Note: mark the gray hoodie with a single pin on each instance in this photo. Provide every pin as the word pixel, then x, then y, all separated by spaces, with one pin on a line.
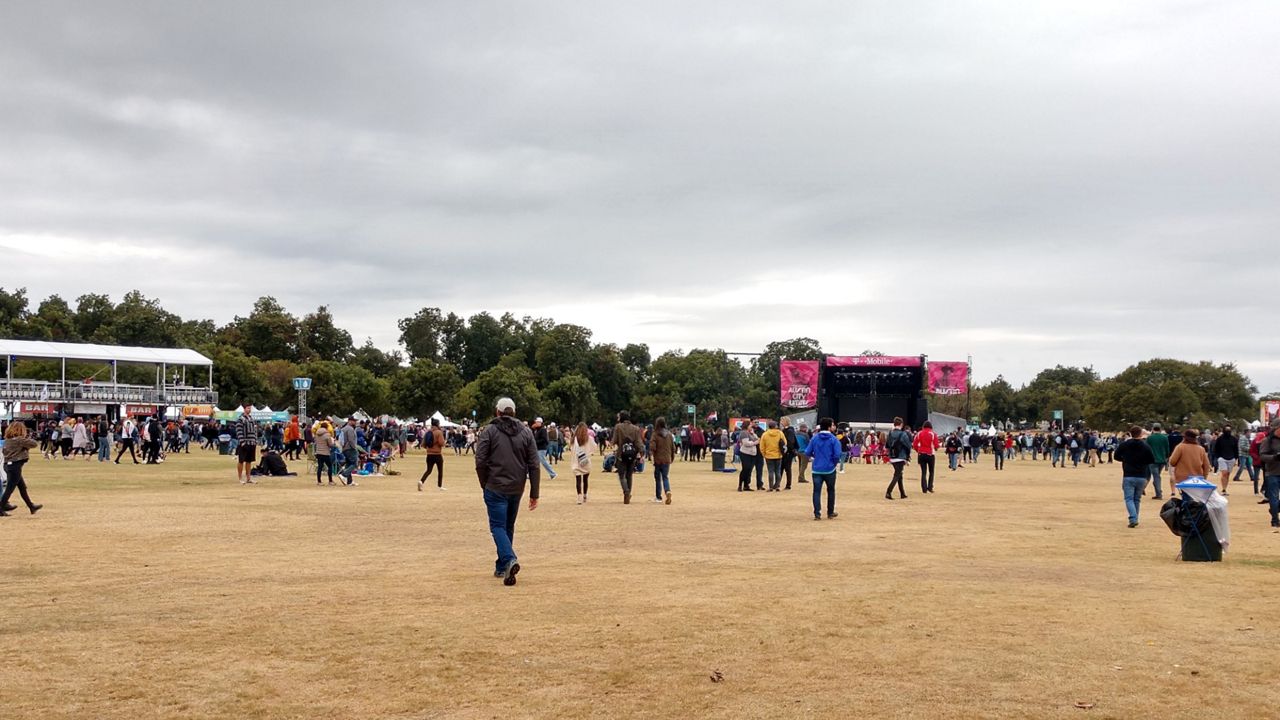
pixel 505 455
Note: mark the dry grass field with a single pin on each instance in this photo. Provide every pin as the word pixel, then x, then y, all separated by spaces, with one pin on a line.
pixel 173 592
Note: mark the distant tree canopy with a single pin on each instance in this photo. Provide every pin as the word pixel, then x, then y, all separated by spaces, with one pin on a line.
pixel 460 365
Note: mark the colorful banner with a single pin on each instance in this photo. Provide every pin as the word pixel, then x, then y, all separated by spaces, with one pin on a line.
pixel 1270 410
pixel 873 361
pixel 948 378
pixel 799 383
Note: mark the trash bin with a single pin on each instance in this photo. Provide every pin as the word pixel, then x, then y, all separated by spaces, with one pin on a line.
pixel 717 461
pixel 224 444
pixel 1199 518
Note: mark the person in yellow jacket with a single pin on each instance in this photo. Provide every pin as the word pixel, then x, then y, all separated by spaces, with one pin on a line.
pixel 773 445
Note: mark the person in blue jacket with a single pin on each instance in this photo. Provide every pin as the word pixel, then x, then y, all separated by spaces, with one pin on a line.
pixel 824 454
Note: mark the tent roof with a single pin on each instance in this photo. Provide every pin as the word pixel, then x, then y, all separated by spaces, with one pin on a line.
pixel 87 351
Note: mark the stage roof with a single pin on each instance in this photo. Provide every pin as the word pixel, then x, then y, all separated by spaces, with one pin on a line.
pixel 102 353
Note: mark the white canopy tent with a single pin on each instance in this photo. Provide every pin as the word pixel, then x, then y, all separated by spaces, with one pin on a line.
pixel 444 422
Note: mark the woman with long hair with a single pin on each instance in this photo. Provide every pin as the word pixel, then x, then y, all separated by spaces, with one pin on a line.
pixel 662 451
pixel 17 447
pixel 581 446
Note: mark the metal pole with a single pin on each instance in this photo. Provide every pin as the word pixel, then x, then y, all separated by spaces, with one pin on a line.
pixel 968 392
pixel 64 377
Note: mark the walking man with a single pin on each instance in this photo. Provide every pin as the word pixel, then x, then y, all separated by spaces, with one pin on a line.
pixel 543 442
pixel 1136 459
pixel 1159 444
pixel 1227 450
pixel 349 444
pixel 899 446
pixel 246 446
pixel 506 455
pixel 926 444
pixel 433 438
pixel 1269 453
pixel 824 452
pixel 628 448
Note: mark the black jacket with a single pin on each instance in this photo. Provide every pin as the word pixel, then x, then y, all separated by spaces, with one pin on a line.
pixel 1227 447
pixel 1134 456
pixel 506 455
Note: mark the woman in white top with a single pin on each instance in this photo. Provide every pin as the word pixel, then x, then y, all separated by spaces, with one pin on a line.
pixel 582 446
pixel 80 440
pixel 747 451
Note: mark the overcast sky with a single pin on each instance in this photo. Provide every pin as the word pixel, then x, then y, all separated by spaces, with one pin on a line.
pixel 1031 183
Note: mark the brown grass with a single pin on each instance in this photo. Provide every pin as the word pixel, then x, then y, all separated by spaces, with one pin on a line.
pixel 173 592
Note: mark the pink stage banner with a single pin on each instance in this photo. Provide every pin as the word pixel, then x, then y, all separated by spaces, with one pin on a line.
pixel 799 383
pixel 948 378
pixel 873 361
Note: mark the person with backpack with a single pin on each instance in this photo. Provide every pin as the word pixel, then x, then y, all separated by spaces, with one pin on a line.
pixel 433 440
pixel 899 446
pixel 789 455
pixel 628 449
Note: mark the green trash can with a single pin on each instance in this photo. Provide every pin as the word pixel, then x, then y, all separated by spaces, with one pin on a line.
pixel 1201 547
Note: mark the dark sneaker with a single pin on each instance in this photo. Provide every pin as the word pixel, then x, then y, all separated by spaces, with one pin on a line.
pixel 509 577
pixel 817 517
pixel 499 573
pixel 832 516
pixel 1133 524
pixel 35 508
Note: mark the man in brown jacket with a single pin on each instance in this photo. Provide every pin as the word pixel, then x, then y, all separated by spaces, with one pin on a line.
pixel 505 456
pixel 628 443
pixel 433 438
pixel 662 451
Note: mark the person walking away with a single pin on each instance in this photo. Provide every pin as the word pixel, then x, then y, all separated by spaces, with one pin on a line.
pixel 1258 473
pixel 506 457
pixel 1268 453
pixel 1136 459
pixel 953 451
pixel 629 448
pixel 293 439
pixel 788 457
pixel 997 449
pixel 802 451
pixel 899 445
pixel 748 450
pixel 126 441
pixel 580 449
pixel 662 452
pixel 1159 444
pixel 246 446
pixel 433 438
pixel 1227 451
pixel 540 437
pixel 1189 459
pixel 81 440
pixel 349 444
pixel 823 451
pixel 926 444
pixel 773 446
pixel 324 445
pixel 17 450
pixel 1244 445
pixel 102 436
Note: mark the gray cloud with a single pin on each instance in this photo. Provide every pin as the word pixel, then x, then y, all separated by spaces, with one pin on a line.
pixel 1077 183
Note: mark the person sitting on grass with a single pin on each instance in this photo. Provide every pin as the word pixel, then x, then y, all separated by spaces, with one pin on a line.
pixel 273 465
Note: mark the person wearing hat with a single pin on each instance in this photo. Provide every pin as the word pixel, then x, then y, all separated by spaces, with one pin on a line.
pixel 506 456
pixel 1269 454
pixel 542 441
pixel 349 445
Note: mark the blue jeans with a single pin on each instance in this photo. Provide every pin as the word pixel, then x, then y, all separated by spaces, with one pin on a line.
pixel 818 480
pixel 661 479
pixel 1055 455
pixel 542 458
pixel 774 466
pixel 502 525
pixel 104 450
pixel 1133 487
pixel 1153 474
pixel 1271 490
pixel 351 461
pixel 953 459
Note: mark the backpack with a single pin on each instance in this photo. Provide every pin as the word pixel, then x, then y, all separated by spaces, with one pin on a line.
pixel 627 451
pixel 429 439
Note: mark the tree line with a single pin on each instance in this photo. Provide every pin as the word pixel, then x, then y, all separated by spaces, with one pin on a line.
pixel 458 365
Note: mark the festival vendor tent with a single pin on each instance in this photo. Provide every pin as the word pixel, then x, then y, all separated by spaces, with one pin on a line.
pixel 444 422
pixel 943 423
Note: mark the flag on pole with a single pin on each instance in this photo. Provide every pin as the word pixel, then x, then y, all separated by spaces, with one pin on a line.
pixel 713 417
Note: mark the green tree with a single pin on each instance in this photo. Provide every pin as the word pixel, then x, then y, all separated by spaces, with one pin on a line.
pixel 424 387
pixel 485 341
pixel 562 350
pixel 636 358
pixel 614 383
pixel 421 334
pixel 53 320
pixel 342 388
pixel 1001 402
pixel 767 365
pixel 321 339
pixel 269 332
pixel 278 376
pixel 93 318
pixel 517 383
pixel 141 321
pixel 13 310
pixel 571 399
pixel 1172 392
pixel 236 377
pixel 381 364
pixel 1057 388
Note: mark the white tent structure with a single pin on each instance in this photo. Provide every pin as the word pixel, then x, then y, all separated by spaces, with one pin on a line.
pixel 444 422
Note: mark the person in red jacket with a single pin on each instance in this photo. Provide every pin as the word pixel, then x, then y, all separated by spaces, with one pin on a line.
pixel 925 444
